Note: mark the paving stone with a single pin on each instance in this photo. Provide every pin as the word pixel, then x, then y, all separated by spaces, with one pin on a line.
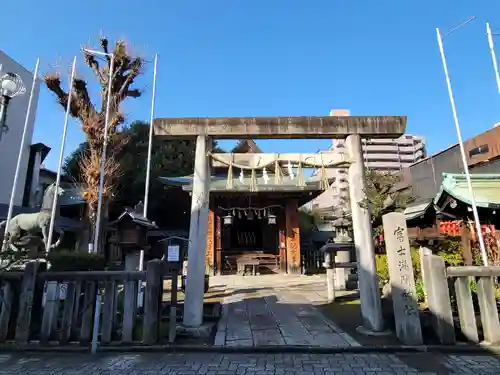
pixel 218 364
pixel 240 343
pixel 275 306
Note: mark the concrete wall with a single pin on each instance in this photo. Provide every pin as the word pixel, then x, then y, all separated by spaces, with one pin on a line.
pixel 427 175
pixel 11 141
pixel 492 167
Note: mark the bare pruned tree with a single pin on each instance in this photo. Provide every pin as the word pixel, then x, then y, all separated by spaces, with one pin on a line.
pixel 92 115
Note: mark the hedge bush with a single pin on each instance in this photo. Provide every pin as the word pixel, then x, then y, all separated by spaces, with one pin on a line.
pixel 382 267
pixel 75 260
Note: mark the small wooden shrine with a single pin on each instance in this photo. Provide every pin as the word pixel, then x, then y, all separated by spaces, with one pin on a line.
pixel 129 232
pixel 254 209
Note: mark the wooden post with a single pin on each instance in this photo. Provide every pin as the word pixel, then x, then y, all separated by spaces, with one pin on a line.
pixel 172 326
pixel 109 312
pixel 6 309
pixel 402 279
pixel 67 318
pixel 218 245
pixel 152 304
pixel 50 310
pixel 466 245
pixel 26 302
pixel 130 299
pixel 76 309
pixel 209 253
pixel 292 238
pixel 90 291
pixel 129 311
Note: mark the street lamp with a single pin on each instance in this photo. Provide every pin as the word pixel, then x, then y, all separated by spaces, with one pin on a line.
pixel 11 86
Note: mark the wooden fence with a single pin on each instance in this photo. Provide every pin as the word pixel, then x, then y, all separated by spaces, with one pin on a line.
pixel 33 310
pixel 450 289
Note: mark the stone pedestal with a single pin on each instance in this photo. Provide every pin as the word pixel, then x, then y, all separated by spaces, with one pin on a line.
pixel 330 277
pixel 369 294
pixel 341 274
pixel 193 302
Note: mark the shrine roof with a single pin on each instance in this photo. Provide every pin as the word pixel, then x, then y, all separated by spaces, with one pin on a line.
pixel 416 210
pixel 486 189
pixel 136 217
pixel 218 184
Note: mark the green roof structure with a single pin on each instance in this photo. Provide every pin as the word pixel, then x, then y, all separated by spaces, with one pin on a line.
pixel 486 188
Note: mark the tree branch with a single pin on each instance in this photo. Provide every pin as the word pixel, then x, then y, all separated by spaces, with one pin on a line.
pixel 86 108
pixel 104 45
pixel 135 69
pixel 94 65
pixel 53 83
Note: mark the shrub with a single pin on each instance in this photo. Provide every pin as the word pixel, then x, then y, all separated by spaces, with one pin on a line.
pixel 383 267
pixel 419 290
pixel 75 260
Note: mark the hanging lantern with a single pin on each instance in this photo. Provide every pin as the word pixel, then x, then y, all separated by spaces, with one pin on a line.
pixel 250 215
pixel 271 219
pixel 228 219
pixel 242 176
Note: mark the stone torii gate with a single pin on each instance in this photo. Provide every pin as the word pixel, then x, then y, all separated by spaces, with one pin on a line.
pixel 318 127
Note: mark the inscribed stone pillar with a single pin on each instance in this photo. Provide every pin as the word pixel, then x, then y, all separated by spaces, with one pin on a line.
pixel 218 245
pixel 282 242
pixel 209 252
pixel 292 238
pixel 406 313
pixel 369 293
pixel 193 301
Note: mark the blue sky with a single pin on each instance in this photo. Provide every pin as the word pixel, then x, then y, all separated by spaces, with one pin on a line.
pixel 275 57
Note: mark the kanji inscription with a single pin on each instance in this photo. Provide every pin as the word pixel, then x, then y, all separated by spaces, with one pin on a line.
pixel 292 237
pixel 406 313
pixel 209 253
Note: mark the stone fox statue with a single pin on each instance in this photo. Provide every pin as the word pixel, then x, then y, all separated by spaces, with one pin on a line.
pixel 32 224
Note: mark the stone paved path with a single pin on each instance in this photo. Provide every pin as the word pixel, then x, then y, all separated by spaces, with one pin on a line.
pixel 239 364
pixel 273 310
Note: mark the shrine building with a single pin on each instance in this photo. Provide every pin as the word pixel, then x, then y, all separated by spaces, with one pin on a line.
pixel 254 211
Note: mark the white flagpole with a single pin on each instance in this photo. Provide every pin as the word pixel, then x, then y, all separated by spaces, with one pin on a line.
pixel 20 155
pixel 61 159
pixel 103 156
pixel 493 55
pixel 150 144
pixel 484 256
pixel 148 171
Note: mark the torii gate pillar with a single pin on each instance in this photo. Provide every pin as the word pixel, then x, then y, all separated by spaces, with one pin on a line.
pixel 193 301
pixel 369 293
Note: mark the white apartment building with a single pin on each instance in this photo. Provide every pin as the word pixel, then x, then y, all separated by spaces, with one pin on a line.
pixel 386 155
pixel 389 154
pixel 11 141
